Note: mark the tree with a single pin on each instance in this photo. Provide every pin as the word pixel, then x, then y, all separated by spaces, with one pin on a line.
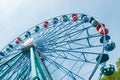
pixel 116 75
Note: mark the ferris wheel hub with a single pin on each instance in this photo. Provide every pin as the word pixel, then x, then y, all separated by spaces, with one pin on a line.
pixel 27 45
pixel 28 42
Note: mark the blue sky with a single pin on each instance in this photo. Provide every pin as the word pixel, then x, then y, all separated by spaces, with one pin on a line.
pixel 18 16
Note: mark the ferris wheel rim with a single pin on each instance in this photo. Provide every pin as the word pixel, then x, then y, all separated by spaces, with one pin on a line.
pixel 59 33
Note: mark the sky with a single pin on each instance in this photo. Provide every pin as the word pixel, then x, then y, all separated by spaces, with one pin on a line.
pixel 17 16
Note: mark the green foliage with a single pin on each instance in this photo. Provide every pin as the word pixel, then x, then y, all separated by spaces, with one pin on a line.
pixel 116 75
pixel 118 64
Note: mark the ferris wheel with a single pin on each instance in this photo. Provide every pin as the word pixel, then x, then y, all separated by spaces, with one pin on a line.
pixel 67 47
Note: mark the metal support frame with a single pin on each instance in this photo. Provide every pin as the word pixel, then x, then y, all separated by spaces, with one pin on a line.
pixel 10 67
pixel 33 65
pixel 38 65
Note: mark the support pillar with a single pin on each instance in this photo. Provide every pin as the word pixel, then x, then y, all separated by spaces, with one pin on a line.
pixel 37 64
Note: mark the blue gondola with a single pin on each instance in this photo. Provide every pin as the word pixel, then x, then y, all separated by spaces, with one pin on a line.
pixel 55 20
pixel 105 57
pixel 108 70
pixel 105 37
pixel 109 46
pixel 27 34
pixel 2 54
pixel 37 29
pixel 65 18
pixel 84 18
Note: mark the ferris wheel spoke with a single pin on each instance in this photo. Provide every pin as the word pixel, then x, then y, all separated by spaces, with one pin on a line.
pixel 22 68
pixel 73 57
pixel 75 40
pixel 12 71
pixel 56 68
pixel 65 58
pixel 72 54
pixel 67 35
pixel 70 69
pixel 59 55
pixel 53 37
pixel 78 49
pixel 64 29
pixel 9 59
pixel 27 73
pixel 59 26
pixel 11 67
pixel 72 31
pixel 51 63
pixel 22 72
pixel 76 59
pixel 81 58
pixel 45 33
pixel 75 51
pixel 16 69
pixel 71 41
pixel 55 30
pixel 88 36
pixel 80 67
pixel 65 70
